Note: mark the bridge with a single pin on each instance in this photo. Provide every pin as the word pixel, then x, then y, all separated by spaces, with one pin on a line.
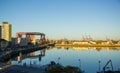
pixel 30 36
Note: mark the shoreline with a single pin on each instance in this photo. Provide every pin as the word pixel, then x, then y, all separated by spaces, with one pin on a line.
pixel 5 57
pixel 85 45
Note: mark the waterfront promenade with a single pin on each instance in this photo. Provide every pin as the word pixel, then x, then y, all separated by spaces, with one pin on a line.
pixel 9 68
pixel 12 53
pixel 21 69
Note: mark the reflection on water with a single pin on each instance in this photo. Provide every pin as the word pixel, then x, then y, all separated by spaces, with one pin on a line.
pixel 88 48
pixel 87 58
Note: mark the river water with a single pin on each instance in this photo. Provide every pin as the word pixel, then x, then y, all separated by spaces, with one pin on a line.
pixel 89 59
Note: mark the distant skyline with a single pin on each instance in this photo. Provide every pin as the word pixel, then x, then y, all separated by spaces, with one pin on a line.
pixel 58 19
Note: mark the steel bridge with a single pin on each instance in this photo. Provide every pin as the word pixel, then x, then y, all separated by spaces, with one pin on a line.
pixel 30 36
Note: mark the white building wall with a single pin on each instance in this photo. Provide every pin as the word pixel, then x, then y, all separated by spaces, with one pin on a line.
pixel 78 43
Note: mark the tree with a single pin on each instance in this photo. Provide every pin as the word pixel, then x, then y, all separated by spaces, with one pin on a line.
pixel 61 69
pixel 71 69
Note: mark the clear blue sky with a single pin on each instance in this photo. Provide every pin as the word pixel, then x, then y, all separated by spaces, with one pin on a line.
pixel 64 18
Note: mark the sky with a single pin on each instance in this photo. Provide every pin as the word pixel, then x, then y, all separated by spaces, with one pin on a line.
pixel 60 19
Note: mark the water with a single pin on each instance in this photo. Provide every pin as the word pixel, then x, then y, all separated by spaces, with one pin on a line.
pixel 86 58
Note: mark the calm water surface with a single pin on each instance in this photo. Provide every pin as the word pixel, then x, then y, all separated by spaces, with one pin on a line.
pixel 89 57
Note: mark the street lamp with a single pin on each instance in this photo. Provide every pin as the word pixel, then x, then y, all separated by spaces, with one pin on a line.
pixel 79 63
pixel 99 65
pixel 58 59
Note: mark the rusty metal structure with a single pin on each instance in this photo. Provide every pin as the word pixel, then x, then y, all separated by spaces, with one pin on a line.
pixel 30 36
